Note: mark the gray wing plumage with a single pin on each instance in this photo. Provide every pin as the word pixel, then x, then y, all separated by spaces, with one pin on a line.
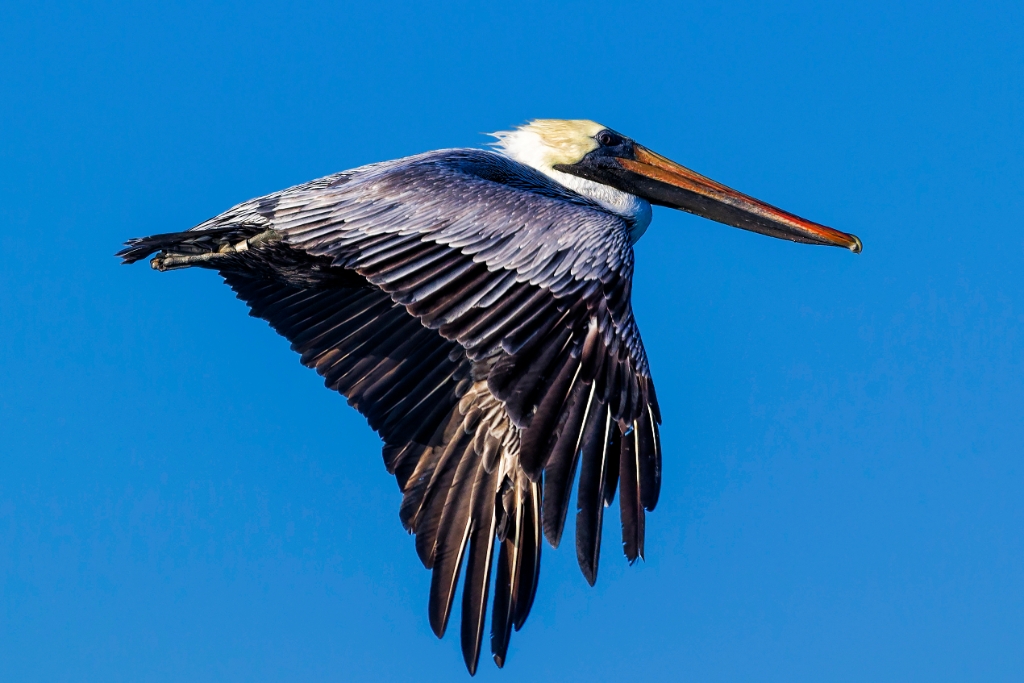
pixel 479 315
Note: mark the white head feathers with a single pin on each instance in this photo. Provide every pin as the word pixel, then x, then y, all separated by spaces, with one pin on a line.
pixel 545 143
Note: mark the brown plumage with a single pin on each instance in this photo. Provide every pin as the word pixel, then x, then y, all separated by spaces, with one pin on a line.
pixel 475 307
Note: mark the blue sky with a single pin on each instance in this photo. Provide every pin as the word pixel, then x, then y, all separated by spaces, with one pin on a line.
pixel 181 500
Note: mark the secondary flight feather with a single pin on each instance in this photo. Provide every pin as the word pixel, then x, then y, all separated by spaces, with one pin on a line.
pixel 475 307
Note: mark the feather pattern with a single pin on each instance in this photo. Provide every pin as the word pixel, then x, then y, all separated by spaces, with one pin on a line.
pixel 478 314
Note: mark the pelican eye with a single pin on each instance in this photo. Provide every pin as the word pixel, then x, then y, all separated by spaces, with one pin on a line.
pixel 608 139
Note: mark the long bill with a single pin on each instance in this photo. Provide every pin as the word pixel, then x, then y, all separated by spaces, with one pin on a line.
pixel 664 182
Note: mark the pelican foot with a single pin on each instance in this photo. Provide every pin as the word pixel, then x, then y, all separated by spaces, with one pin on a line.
pixel 164 262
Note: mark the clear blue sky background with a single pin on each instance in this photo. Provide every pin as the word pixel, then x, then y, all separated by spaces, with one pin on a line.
pixel 843 480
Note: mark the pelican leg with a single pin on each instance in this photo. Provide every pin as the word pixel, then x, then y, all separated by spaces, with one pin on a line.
pixel 165 262
pixel 169 260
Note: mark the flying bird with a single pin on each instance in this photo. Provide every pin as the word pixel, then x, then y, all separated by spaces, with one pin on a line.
pixel 474 305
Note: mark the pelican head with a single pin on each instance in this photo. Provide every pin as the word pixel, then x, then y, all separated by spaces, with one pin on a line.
pixel 627 178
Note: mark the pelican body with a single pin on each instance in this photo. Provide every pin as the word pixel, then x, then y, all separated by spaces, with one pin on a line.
pixel 474 306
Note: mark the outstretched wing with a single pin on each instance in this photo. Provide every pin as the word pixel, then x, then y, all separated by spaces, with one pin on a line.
pixel 479 316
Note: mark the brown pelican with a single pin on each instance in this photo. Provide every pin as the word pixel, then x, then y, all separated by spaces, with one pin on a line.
pixel 475 307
